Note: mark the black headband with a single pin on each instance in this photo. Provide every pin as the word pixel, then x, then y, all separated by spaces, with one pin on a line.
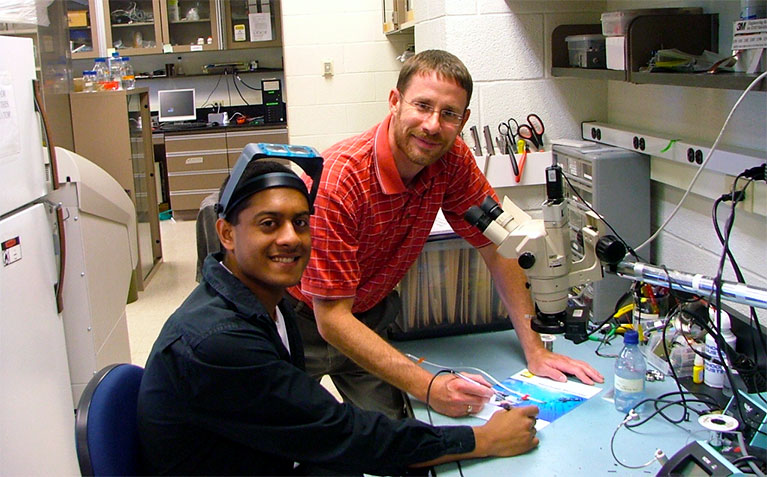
pixel 306 157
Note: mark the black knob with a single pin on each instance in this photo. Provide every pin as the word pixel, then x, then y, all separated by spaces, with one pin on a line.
pixel 610 249
pixel 526 260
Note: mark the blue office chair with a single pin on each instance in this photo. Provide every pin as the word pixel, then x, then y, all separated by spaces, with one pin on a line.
pixel 106 431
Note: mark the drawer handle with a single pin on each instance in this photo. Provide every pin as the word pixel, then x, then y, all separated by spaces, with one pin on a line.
pixel 193 160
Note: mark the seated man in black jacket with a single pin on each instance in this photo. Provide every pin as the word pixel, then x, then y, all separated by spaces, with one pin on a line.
pixel 225 392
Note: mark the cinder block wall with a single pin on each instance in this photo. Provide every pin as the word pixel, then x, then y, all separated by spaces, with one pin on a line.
pixel 507 47
pixel 323 110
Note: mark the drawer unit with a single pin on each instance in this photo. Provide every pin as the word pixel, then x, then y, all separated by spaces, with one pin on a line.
pixel 188 199
pixel 195 161
pixel 199 162
pixel 197 166
pixel 208 180
pixel 195 142
pixel 237 140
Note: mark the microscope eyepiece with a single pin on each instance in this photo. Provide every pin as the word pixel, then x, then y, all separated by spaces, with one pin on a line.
pixel 476 217
pixel 491 208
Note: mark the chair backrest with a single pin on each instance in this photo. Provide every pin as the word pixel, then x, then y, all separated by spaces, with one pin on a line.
pixel 106 430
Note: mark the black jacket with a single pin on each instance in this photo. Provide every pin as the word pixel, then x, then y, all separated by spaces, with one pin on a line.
pixel 222 395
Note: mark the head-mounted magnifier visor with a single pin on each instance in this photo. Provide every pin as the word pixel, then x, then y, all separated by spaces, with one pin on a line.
pixel 307 158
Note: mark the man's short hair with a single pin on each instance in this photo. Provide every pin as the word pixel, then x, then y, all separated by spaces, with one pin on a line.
pixel 445 64
pixel 253 169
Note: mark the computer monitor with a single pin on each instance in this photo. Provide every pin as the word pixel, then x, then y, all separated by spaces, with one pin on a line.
pixel 176 105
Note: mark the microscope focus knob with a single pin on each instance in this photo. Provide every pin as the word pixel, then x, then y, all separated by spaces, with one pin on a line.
pixel 610 249
pixel 526 260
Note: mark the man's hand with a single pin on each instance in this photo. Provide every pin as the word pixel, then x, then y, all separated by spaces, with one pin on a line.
pixel 453 396
pixel 507 433
pixel 543 362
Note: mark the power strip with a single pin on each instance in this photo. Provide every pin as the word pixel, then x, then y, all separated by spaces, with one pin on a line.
pixel 726 159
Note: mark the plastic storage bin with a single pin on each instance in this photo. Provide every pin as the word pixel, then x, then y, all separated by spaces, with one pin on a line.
pixel 586 51
pixel 617 23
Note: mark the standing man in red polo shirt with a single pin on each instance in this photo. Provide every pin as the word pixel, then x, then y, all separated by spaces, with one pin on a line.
pixel 378 197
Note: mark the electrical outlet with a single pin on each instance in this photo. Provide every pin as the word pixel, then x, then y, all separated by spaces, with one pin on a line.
pixel 327 68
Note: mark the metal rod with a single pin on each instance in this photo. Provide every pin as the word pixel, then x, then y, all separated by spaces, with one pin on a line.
pixel 692 283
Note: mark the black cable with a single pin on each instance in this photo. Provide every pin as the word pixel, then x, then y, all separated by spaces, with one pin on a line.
pixel 701 398
pixel 428 412
pixel 721 344
pixel 685 415
pixel 245 84
pixel 753 318
pixel 234 82
pixel 748 458
pixel 228 92
pixel 213 91
pixel 575 191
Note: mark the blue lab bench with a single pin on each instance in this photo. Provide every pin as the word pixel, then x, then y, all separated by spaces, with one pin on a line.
pixel 576 444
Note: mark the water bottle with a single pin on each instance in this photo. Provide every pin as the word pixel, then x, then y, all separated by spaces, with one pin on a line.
pixel 630 370
pixel 115 71
pixel 714 375
pixel 102 73
pixel 128 76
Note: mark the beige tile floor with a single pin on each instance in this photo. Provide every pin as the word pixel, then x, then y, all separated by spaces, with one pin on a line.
pixel 167 289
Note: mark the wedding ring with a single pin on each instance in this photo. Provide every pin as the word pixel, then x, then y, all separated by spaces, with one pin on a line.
pixel 469 409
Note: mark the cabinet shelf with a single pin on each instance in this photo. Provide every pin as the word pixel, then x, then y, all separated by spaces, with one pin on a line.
pixel 186 22
pixel 588 73
pixel 724 80
pixel 133 25
pixel 212 75
pixel 691 33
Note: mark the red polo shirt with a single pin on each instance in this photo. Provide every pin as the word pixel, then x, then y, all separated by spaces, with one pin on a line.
pixel 369 228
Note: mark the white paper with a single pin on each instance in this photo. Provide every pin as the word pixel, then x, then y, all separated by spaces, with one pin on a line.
pixel 260 26
pixel 440 225
pixel 10 145
pixel 553 398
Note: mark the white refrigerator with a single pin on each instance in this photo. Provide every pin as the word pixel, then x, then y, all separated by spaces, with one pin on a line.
pixel 36 405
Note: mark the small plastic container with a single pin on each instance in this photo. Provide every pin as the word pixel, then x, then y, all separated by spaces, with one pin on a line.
pixel 586 51
pixel 617 23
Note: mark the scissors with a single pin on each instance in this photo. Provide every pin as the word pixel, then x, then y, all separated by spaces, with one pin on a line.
pixel 508 139
pixel 532 130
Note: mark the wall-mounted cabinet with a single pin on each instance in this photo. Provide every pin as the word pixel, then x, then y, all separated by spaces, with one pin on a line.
pixel 398 16
pixel 190 25
pixel 82 18
pixel 161 26
pixel 646 34
pixel 246 23
pixel 133 27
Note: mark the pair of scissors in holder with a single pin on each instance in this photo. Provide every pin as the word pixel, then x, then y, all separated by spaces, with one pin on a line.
pixel 532 130
pixel 508 138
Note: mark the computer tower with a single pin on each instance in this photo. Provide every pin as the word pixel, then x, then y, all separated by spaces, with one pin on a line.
pixel 616 183
pixel 271 94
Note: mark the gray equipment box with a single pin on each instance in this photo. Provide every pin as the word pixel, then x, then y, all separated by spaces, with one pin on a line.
pixel 616 183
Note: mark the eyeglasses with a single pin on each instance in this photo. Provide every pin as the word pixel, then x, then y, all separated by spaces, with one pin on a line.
pixel 426 110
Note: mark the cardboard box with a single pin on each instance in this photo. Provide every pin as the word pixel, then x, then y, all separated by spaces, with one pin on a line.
pixel 77 18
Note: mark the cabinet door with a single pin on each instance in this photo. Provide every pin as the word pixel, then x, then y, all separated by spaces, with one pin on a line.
pixel 145 193
pixel 133 27
pixel 83 40
pixel 187 22
pixel 237 19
